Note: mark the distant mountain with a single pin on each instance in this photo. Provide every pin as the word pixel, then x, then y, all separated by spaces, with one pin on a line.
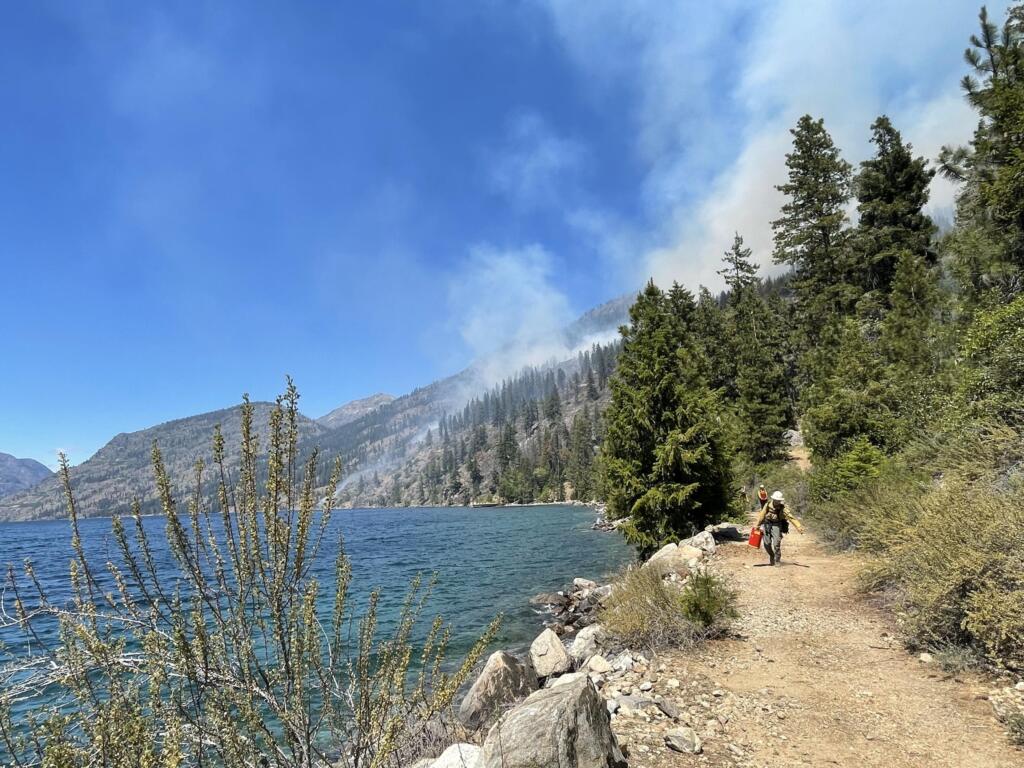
pixel 600 323
pixel 122 470
pixel 20 474
pixel 349 412
pixel 374 436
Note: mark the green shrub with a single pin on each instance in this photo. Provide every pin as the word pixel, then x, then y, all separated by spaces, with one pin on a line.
pixel 859 461
pixel 646 612
pixel 994 348
pixel 708 602
pixel 1015 728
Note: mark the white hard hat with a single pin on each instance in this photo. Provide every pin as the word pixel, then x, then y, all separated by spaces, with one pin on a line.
pixel 777 496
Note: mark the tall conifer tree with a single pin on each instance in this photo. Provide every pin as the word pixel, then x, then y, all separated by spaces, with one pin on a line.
pixel 663 459
pixel 810 236
pixel 892 190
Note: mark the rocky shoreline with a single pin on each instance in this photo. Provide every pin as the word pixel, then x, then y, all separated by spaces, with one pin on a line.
pixel 575 698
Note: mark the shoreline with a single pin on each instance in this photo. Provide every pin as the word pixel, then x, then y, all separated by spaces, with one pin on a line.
pixel 597 506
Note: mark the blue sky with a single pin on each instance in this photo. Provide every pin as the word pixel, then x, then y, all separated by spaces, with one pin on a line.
pixel 196 199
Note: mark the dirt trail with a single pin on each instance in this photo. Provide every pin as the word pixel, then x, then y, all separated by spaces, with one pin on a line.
pixel 816 677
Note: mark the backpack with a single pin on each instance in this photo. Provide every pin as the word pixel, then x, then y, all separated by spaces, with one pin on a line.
pixel 777 517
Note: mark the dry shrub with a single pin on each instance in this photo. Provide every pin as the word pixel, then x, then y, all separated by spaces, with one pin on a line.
pixel 646 612
pixel 946 530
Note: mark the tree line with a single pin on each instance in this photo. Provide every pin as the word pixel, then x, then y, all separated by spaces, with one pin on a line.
pixel 882 327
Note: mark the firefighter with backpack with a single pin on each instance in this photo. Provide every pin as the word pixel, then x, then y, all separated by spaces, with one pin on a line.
pixel 774 521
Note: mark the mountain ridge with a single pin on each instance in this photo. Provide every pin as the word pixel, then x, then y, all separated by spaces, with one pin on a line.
pixel 17 475
pixel 374 433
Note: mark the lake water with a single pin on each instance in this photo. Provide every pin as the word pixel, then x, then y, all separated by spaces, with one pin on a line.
pixel 488 561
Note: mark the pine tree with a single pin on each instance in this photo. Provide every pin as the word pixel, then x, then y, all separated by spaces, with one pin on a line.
pixel 990 208
pixel 852 399
pixel 475 475
pixel 552 405
pixel 810 235
pixel 892 190
pixel 591 388
pixel 908 330
pixel 740 272
pixel 579 469
pixel 762 399
pixel 663 461
pixel 713 345
pixel 508 448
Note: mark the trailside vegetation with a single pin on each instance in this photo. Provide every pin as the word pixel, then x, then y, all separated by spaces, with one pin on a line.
pixel 895 348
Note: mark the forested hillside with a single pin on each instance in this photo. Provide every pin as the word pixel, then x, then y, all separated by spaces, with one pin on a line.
pixel 381 440
pixel 897 350
pixel 532 438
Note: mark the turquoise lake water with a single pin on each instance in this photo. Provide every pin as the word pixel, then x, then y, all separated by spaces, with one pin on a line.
pixel 488 561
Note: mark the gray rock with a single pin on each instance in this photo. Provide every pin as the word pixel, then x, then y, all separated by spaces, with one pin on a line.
pixel 602 593
pixel 503 681
pixel 635 702
pixel 673 558
pixel 586 643
pixel 568 679
pixel 548 655
pixel 667 708
pixel 549 598
pixel 623 662
pixel 568 726
pixel 459 756
pixel 583 583
pixel 684 740
pixel 598 664
pixel 703 540
pixel 667 551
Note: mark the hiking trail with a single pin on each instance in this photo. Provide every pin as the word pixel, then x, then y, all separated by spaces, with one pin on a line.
pixel 815 675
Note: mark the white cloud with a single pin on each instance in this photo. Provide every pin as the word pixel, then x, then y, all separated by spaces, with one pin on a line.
pixel 533 162
pixel 719 86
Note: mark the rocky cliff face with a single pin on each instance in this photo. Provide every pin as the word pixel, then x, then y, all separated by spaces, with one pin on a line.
pixel 20 474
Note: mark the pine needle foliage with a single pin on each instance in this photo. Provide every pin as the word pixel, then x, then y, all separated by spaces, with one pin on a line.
pixel 224 658
pixel 665 466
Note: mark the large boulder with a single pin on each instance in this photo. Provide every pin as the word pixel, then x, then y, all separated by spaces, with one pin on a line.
pixel 673 558
pixel 548 655
pixel 586 643
pixel 566 726
pixel 567 679
pixel 503 681
pixel 728 532
pixel 703 541
pixel 459 756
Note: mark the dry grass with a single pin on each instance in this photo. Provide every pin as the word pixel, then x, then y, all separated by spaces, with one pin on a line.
pixel 646 612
